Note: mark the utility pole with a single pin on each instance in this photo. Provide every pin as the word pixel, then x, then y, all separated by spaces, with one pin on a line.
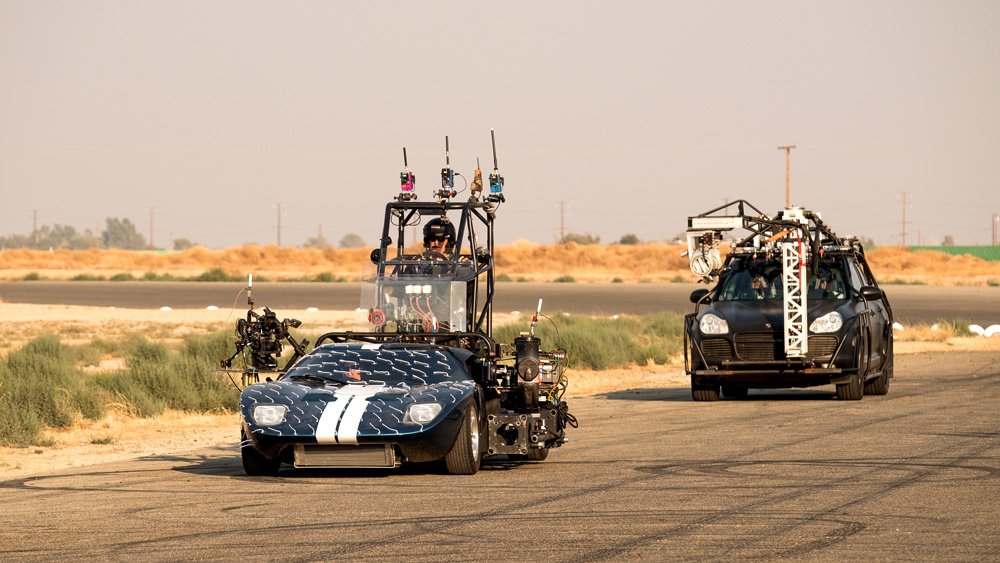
pixel 562 221
pixel 152 212
pixel 905 199
pixel 788 166
pixel 279 224
pixel 34 228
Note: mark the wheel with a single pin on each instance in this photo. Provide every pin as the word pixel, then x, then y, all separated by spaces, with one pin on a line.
pixel 538 454
pixel 735 391
pixel 255 464
pixel 463 459
pixel 854 389
pixel 704 392
pixel 432 255
pixel 880 385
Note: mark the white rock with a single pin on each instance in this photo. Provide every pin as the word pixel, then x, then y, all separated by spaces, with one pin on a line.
pixel 897 326
pixel 165 308
pixel 615 317
pixel 212 308
pixel 976 329
pixel 312 310
pixel 992 330
pixel 935 327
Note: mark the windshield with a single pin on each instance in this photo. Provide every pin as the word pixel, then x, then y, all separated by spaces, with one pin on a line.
pixel 761 281
pixel 379 364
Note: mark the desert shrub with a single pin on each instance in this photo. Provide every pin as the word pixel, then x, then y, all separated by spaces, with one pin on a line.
pixel 122 276
pixel 565 279
pixel 504 278
pixel 157 377
pixel 32 276
pixel 40 387
pixel 602 343
pixel 216 275
pixel 87 277
pixel 328 277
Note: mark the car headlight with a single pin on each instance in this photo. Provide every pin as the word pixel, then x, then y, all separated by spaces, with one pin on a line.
pixel 713 324
pixel 422 413
pixel 830 322
pixel 269 415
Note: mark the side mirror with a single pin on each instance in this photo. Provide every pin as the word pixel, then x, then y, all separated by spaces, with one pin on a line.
pixel 375 255
pixel 698 294
pixel 871 293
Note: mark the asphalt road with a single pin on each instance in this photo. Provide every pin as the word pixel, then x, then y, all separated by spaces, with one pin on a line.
pixel 649 474
pixel 910 303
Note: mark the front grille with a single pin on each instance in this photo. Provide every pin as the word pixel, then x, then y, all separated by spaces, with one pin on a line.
pixel 758 346
pixel 766 346
pixel 717 348
pixel 344 456
pixel 822 346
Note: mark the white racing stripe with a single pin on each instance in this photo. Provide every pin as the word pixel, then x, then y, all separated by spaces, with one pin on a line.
pixel 340 419
pixel 326 428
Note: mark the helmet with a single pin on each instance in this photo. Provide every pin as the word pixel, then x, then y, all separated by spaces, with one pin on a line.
pixel 439 228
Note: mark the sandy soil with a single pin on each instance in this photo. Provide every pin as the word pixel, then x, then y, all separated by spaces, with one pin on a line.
pixel 118 436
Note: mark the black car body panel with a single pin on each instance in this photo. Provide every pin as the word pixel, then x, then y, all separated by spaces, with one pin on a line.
pixel 326 405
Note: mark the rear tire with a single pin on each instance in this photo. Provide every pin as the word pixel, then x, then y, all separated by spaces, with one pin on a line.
pixel 735 391
pixel 704 392
pixel 464 456
pixel 254 463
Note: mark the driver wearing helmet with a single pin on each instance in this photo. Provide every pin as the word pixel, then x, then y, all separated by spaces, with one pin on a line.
pixel 439 235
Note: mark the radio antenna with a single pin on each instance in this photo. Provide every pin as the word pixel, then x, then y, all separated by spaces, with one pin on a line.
pixel 406 181
pixel 496 180
pixel 447 177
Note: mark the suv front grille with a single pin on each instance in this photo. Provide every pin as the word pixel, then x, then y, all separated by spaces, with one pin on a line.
pixel 765 346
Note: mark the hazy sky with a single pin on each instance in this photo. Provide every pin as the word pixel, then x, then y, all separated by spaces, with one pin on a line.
pixel 635 114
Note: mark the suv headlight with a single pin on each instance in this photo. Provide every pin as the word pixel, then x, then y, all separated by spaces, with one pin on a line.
pixel 422 413
pixel 713 324
pixel 830 322
pixel 269 415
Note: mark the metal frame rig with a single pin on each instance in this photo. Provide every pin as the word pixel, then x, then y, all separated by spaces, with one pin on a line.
pixel 797 236
pixel 421 296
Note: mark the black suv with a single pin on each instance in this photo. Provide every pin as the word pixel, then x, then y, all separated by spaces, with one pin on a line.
pixel 736 339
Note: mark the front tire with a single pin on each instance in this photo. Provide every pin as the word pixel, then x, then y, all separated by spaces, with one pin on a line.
pixel 254 463
pixel 704 392
pixel 464 456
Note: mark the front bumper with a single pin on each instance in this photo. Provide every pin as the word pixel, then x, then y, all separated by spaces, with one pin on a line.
pixel 757 358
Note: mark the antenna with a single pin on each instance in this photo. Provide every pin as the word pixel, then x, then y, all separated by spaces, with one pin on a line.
pixel 496 180
pixel 406 181
pixel 447 177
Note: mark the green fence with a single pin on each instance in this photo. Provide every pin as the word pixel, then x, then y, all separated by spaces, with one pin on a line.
pixel 991 253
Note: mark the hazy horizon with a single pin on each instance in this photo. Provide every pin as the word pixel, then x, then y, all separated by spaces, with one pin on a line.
pixel 632 115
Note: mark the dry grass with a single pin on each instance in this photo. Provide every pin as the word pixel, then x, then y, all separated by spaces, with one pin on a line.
pixel 522 261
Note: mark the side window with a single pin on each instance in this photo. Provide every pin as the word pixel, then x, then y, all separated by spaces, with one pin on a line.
pixel 858 279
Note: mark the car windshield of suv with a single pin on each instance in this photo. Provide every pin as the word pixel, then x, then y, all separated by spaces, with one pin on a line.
pixel 379 364
pixel 762 282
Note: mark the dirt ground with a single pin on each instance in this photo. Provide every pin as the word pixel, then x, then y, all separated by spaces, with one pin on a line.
pixel 118 436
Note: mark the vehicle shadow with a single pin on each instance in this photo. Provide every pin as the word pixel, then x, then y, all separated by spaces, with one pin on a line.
pixel 224 461
pixel 683 395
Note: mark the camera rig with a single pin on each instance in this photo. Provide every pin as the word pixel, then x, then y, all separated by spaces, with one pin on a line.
pixel 259 339
pixel 797 237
